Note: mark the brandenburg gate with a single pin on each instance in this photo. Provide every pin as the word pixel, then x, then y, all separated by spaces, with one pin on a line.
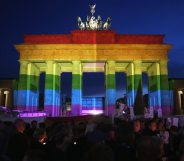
pixel 93 50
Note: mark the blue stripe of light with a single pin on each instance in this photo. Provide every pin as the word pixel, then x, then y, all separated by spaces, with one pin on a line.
pixel 131 97
pixel 51 97
pixel 155 98
pixel 76 97
pixel 111 96
pixel 26 98
pixel 167 97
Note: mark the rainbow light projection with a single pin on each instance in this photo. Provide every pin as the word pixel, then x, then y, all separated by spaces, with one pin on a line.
pixel 54 54
pixel 92 105
pixel 52 89
pixel 111 87
pixel 76 88
pixel 134 85
pixel 27 93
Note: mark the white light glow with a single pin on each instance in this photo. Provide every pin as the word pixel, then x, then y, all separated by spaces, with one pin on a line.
pixel 92 112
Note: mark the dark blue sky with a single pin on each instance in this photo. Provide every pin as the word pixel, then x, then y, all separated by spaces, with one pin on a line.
pixel 19 17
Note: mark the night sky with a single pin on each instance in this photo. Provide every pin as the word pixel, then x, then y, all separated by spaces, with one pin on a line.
pixel 19 17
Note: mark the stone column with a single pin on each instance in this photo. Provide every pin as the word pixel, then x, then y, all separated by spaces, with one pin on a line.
pixel 110 83
pixel 182 100
pixel 130 84
pixel 32 87
pixel 52 89
pixel 76 88
pixel 7 98
pixel 154 87
pixel 15 93
pixel 139 109
pixel 21 94
pixel 179 101
pixel 134 86
pixel 166 93
pixel 1 97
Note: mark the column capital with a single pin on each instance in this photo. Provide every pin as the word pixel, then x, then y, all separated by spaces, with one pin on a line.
pixel 137 61
pixel 56 69
pixel 110 67
pixel 23 66
pixel 130 69
pixel 6 92
pixel 50 61
pixel 76 67
pixel 163 67
pixel 153 69
pixel 134 67
pixel 137 66
pixel 76 62
pixel 110 61
pixel 23 61
pixel 52 67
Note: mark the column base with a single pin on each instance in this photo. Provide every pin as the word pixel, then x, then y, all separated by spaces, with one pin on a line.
pixel 52 111
pixel 26 108
pixel 76 110
pixel 110 110
pixel 21 108
pixel 166 110
pixel 167 102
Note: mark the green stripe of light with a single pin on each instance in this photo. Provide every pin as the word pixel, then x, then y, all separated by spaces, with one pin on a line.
pixel 164 82
pixel 110 81
pixel 134 82
pixel 158 82
pixel 76 81
pixel 28 82
pixel 15 84
pixel 52 82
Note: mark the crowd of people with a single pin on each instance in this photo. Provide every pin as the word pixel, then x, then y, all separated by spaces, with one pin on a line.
pixel 138 140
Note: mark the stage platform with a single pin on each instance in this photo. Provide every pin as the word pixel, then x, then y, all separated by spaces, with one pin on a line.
pixel 42 117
